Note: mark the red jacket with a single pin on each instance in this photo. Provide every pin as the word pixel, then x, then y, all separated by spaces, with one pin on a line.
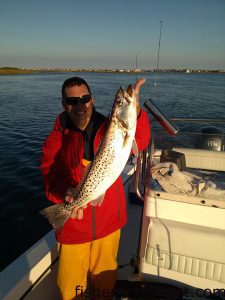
pixel 62 168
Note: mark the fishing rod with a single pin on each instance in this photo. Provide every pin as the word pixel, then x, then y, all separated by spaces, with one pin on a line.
pixel 151 106
pixel 165 123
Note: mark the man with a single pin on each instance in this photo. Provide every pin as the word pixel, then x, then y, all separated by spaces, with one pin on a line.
pixel 89 240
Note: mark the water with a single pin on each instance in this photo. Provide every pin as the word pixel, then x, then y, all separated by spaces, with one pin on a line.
pixel 29 106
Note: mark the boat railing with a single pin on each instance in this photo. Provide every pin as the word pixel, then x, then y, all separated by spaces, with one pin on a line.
pixel 142 171
pixel 199 120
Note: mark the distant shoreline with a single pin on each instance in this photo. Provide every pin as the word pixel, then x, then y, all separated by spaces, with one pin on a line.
pixel 19 71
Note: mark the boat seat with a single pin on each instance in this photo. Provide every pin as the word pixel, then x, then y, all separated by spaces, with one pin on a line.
pixel 203 159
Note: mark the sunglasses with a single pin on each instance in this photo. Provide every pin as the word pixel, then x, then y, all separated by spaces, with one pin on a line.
pixel 76 100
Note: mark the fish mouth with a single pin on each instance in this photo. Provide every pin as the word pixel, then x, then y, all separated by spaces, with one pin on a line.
pixel 130 90
pixel 128 94
pixel 125 96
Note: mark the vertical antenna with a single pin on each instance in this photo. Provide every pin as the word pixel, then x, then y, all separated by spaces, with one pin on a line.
pixel 157 67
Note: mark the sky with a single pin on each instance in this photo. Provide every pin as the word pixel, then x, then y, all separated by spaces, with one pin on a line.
pixel 111 33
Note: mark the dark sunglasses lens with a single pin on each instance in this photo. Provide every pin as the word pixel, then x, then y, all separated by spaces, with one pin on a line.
pixel 85 99
pixel 75 100
pixel 69 101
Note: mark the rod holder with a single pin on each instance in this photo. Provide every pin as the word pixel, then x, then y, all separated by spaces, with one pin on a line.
pixel 165 122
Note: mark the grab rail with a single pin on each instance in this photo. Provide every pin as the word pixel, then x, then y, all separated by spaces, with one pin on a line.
pixel 142 171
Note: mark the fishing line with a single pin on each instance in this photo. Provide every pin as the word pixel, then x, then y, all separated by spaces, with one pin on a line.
pixel 136 68
pixel 157 66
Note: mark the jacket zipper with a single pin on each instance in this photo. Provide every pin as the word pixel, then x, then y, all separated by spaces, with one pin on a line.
pixel 119 207
pixel 93 222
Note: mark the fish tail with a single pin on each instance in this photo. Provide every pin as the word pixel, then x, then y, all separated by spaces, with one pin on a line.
pixel 56 214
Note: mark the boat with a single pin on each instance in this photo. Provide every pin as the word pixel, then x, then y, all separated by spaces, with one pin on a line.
pixel 176 240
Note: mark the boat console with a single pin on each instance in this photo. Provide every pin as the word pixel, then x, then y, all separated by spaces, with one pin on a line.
pixel 183 236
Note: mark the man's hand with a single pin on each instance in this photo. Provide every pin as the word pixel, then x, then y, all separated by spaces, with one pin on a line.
pixel 137 87
pixel 77 213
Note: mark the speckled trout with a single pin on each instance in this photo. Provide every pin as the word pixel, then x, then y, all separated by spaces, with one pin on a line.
pixel 108 163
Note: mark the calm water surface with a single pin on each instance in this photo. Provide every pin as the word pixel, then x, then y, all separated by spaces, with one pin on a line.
pixel 29 106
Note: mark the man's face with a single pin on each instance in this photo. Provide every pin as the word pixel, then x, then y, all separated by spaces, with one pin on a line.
pixel 80 113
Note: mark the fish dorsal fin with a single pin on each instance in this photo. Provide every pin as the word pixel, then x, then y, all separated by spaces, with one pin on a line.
pixel 83 178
